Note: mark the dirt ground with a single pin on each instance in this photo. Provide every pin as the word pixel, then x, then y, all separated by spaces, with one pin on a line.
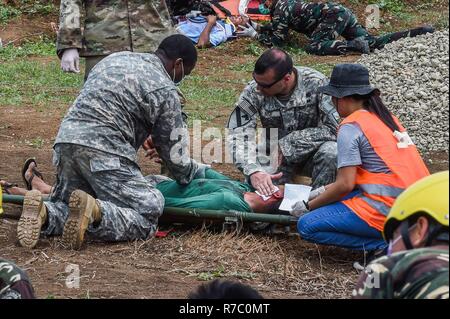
pixel 279 266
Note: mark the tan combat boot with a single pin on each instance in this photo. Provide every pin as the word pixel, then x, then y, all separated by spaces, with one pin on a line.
pixel 34 215
pixel 83 211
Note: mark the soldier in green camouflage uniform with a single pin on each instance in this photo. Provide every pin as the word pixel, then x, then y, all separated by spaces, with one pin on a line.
pixel 417 231
pixel 14 282
pixel 324 23
pixel 127 97
pixel 306 123
pixel 111 26
pixel 413 274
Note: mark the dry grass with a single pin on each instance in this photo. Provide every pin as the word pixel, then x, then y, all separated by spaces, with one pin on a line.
pixel 284 263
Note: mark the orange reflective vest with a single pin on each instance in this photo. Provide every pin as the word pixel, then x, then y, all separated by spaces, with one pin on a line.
pixel 379 190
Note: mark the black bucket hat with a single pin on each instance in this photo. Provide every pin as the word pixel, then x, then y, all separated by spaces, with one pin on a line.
pixel 348 79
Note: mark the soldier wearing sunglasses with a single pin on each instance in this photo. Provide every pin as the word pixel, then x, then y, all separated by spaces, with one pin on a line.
pixel 285 97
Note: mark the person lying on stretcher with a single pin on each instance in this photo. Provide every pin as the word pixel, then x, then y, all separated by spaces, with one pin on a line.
pixel 214 192
pixel 209 31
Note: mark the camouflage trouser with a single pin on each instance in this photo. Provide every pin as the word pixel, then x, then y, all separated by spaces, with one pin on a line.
pixel 340 21
pixel 320 165
pixel 14 282
pixel 129 204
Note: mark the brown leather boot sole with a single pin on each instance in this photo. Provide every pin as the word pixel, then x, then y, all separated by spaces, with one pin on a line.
pixel 31 220
pixel 81 206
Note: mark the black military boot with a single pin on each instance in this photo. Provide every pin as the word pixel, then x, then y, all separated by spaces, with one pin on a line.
pixel 358 45
pixel 421 30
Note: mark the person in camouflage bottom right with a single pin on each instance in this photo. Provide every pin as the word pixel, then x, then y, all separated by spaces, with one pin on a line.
pixel 417 263
pixel 14 282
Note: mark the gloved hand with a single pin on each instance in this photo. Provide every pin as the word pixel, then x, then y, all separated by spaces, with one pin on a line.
pixel 316 193
pixel 254 25
pixel 248 31
pixel 70 61
pixel 299 209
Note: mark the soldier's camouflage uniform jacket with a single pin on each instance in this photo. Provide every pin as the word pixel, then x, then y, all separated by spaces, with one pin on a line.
pixel 127 97
pixel 112 26
pixel 14 282
pixel 413 274
pixel 306 125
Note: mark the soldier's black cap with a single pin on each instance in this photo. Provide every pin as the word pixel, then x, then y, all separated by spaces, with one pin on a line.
pixel 348 79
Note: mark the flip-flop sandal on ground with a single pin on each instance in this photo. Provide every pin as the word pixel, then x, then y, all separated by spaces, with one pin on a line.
pixel 6 186
pixel 34 172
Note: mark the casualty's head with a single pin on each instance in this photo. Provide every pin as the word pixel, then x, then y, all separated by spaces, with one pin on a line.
pixel 258 205
pixel 239 21
pixel 420 215
pixel 178 55
pixel 274 72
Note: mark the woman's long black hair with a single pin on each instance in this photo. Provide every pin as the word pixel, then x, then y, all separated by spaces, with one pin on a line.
pixel 374 104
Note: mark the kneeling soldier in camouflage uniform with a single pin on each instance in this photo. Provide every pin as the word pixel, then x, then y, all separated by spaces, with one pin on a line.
pixel 285 98
pixel 14 282
pixel 417 231
pixel 109 26
pixel 128 97
pixel 323 24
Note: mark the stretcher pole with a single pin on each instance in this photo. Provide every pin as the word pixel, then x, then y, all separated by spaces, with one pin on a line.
pixel 191 214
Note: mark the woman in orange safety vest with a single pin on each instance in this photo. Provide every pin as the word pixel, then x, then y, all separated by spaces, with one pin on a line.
pixel 376 162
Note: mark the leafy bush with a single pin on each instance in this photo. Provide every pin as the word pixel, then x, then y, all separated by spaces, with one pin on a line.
pixel 393 6
pixel 42 7
pixel 7 13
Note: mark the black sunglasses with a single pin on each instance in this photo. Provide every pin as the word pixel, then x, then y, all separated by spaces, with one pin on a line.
pixel 267 86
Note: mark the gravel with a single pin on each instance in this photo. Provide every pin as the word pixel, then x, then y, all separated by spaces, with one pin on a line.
pixel 413 76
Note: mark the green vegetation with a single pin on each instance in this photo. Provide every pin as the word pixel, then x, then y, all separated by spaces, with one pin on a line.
pixel 255 49
pixel 26 7
pixel 207 276
pixel 37 84
pixel 43 47
pixel 30 75
pixel 7 13
pixel 324 68
pixel 37 142
pixel 207 97
pixel 393 6
pixel 42 7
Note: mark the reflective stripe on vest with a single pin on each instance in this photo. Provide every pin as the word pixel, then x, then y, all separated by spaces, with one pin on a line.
pixel 381 190
pixel 378 206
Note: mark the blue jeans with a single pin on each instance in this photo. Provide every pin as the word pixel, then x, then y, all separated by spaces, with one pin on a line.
pixel 338 225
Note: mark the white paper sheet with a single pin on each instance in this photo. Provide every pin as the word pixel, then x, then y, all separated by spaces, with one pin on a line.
pixel 266 198
pixel 294 193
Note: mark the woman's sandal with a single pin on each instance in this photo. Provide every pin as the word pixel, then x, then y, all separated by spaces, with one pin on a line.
pixel 34 172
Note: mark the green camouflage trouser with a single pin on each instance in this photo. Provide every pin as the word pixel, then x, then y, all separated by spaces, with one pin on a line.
pixel 129 204
pixel 340 21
